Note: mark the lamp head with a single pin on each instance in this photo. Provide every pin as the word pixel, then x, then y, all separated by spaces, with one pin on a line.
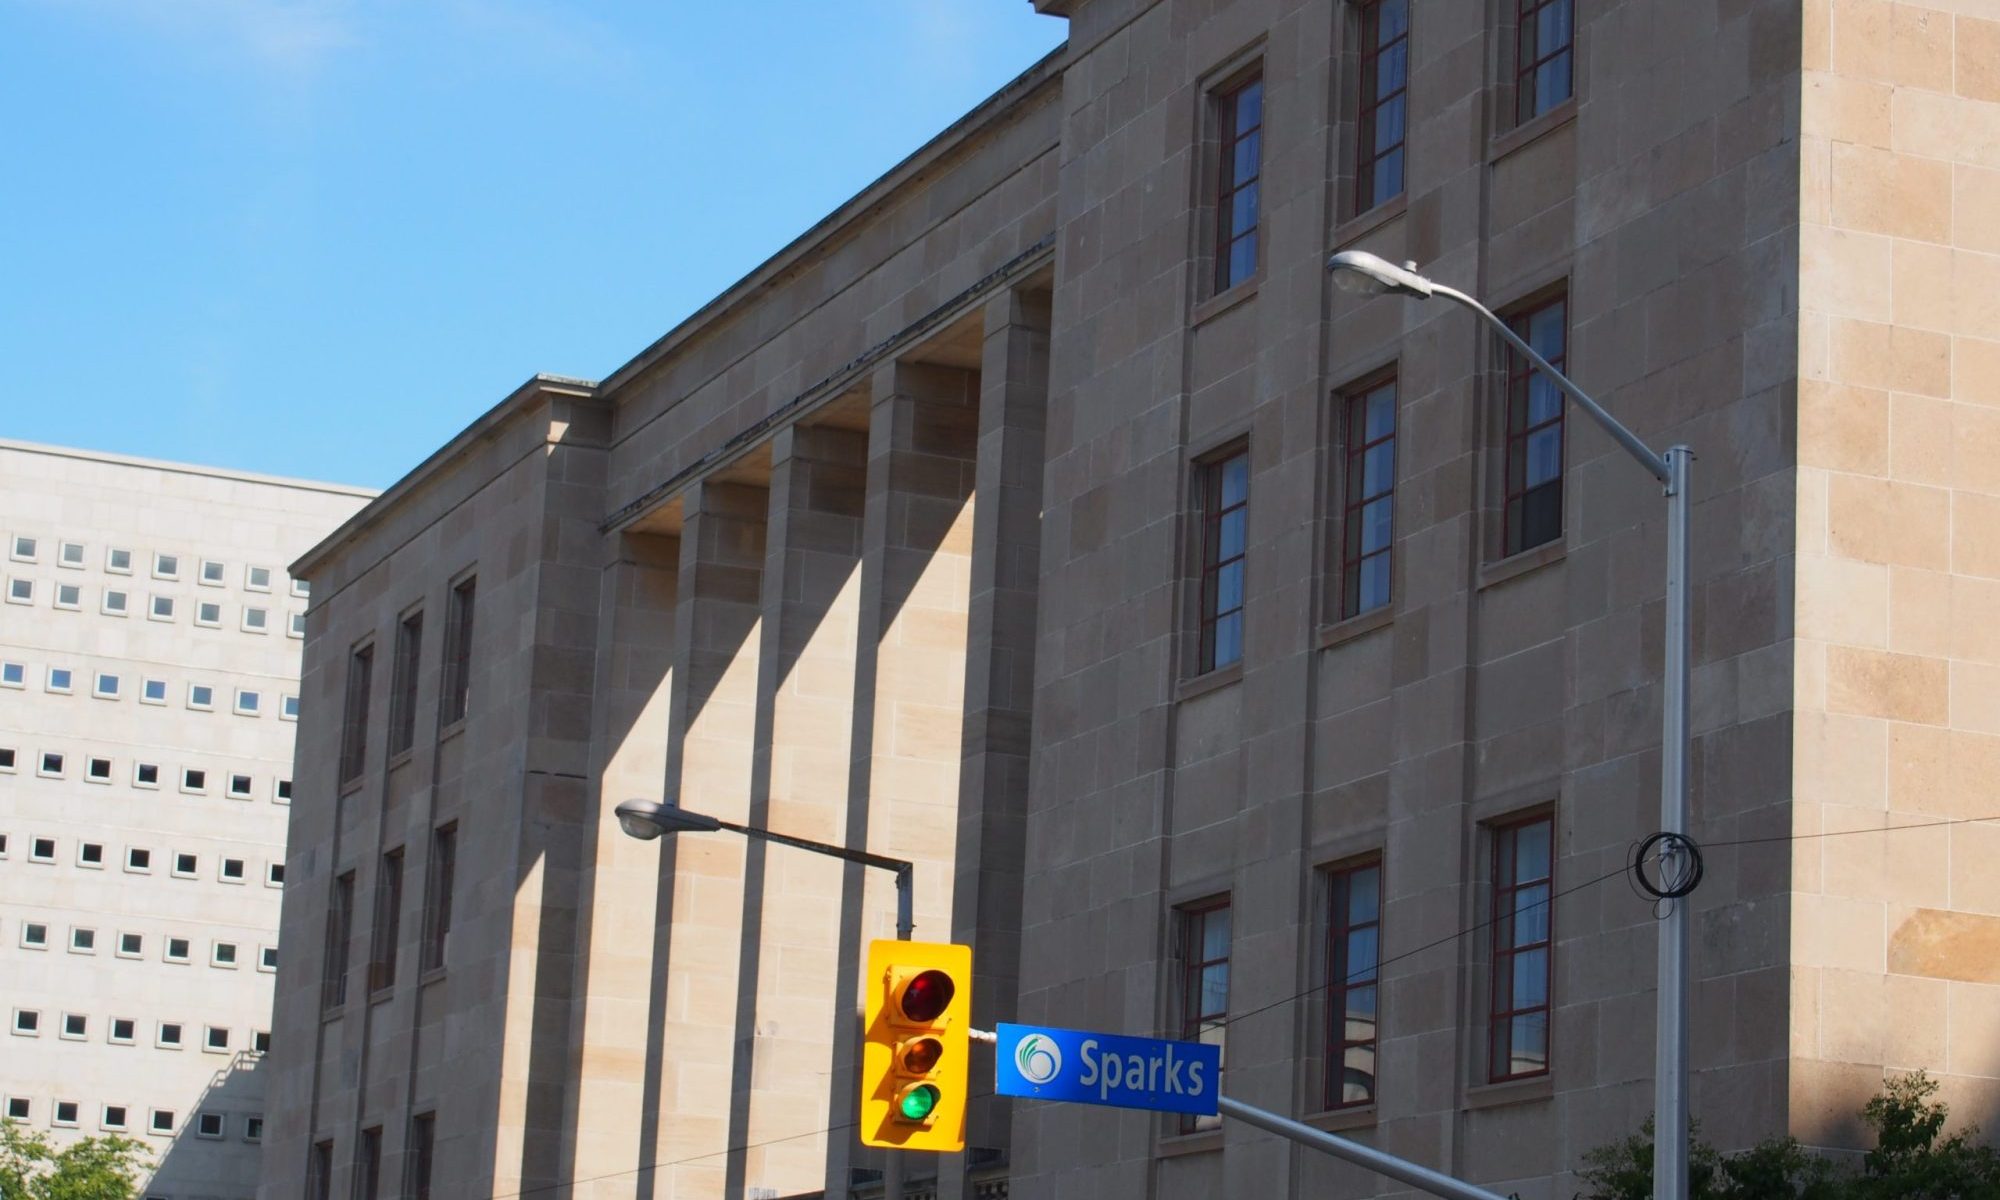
pixel 648 819
pixel 1367 274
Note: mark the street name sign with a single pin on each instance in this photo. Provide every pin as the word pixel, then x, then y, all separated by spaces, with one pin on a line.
pixel 1104 1068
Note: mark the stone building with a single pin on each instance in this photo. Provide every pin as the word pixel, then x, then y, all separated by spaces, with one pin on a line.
pixel 1237 658
pixel 149 659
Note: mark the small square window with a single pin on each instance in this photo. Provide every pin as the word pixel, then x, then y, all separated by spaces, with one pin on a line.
pixel 281 791
pixel 248 702
pixel 106 686
pixel 232 870
pixel 70 554
pixel 69 596
pixel 256 620
pixel 208 1125
pixel 260 1041
pixel 274 874
pixel 97 770
pixel 162 1121
pixel 115 603
pixel 267 958
pixel 42 850
pixel 212 572
pixel 253 1129
pixel 201 696
pixel 168 1037
pixel 297 626
pixel 138 859
pixel 3 845
pixel 124 1030
pixel 185 865
pixel 163 608
pixel 51 766
pixel 257 579
pixel 82 941
pixel 288 708
pixel 76 1026
pixel 13 674
pixel 90 854
pixel 7 759
pixel 166 566
pixel 27 1022
pixel 222 954
pixel 146 775
pixel 18 1108
pixel 216 1039
pixel 114 1117
pixel 301 587
pixel 208 614
pixel 239 787
pixel 177 950
pixel 194 779
pixel 153 691
pixel 131 945
pixel 20 591
pixel 34 935
pixel 118 562
pixel 66 1111
pixel 61 679
pixel 24 549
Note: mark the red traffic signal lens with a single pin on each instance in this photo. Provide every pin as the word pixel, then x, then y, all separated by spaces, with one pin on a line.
pixel 920 1055
pixel 926 997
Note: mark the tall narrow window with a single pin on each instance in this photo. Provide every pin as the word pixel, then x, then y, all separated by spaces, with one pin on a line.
pixel 1534 512
pixel 1205 982
pixel 1368 526
pixel 368 1166
pixel 457 652
pixel 339 928
pixel 403 693
pixel 388 920
pixel 1353 950
pixel 1542 75
pixel 319 1172
pixel 437 894
pixel 423 1147
pixel 1518 1043
pixel 354 722
pixel 1241 112
pixel 1225 495
pixel 1384 109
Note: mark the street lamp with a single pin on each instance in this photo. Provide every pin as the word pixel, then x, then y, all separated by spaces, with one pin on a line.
pixel 1367 274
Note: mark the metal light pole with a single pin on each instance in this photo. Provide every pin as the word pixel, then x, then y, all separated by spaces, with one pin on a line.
pixel 1359 271
pixel 648 819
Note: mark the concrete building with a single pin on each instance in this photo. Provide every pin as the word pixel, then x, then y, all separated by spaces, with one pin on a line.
pixel 1237 658
pixel 149 657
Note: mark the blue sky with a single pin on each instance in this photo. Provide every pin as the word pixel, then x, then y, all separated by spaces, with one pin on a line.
pixel 318 237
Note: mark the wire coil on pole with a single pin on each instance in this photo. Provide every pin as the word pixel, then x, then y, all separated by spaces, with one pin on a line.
pixel 1675 862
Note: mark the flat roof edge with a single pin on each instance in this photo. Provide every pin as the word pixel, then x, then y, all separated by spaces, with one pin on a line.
pixel 184 468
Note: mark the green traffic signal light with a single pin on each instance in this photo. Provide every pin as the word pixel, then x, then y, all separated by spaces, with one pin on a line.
pixel 917 1103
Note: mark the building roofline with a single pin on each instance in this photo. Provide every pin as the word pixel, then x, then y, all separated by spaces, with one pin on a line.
pixel 484 426
pixel 985 113
pixel 182 468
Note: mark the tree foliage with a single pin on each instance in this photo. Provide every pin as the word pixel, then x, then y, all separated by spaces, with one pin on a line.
pixel 1912 1160
pixel 92 1168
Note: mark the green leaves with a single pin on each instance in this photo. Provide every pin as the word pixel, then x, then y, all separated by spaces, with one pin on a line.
pixel 92 1168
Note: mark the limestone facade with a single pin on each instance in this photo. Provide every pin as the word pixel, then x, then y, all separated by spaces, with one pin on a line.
pixel 1006 522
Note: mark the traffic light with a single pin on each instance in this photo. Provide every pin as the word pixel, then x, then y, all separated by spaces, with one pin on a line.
pixel 913 1058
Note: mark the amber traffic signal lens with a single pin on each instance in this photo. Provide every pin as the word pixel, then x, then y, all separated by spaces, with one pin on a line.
pixel 926 996
pixel 921 1055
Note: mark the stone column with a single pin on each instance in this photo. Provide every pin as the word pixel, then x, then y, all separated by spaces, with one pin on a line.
pixel 710 745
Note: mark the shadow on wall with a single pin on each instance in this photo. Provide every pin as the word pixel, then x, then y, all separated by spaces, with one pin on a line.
pixel 216 1150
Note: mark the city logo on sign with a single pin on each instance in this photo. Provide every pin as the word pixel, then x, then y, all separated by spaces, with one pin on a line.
pixel 1106 1068
pixel 1038 1058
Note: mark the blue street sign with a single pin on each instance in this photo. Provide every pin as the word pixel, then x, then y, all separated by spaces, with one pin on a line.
pixel 1103 1068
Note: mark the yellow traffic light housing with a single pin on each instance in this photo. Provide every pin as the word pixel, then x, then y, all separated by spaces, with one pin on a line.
pixel 914 1073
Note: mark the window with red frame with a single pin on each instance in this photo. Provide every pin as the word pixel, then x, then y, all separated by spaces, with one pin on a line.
pixel 1353 950
pixel 1204 982
pixel 1523 871
pixel 1385 74
pixel 1225 496
pixel 1241 110
pixel 1367 512
pixel 1543 60
pixel 1534 504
